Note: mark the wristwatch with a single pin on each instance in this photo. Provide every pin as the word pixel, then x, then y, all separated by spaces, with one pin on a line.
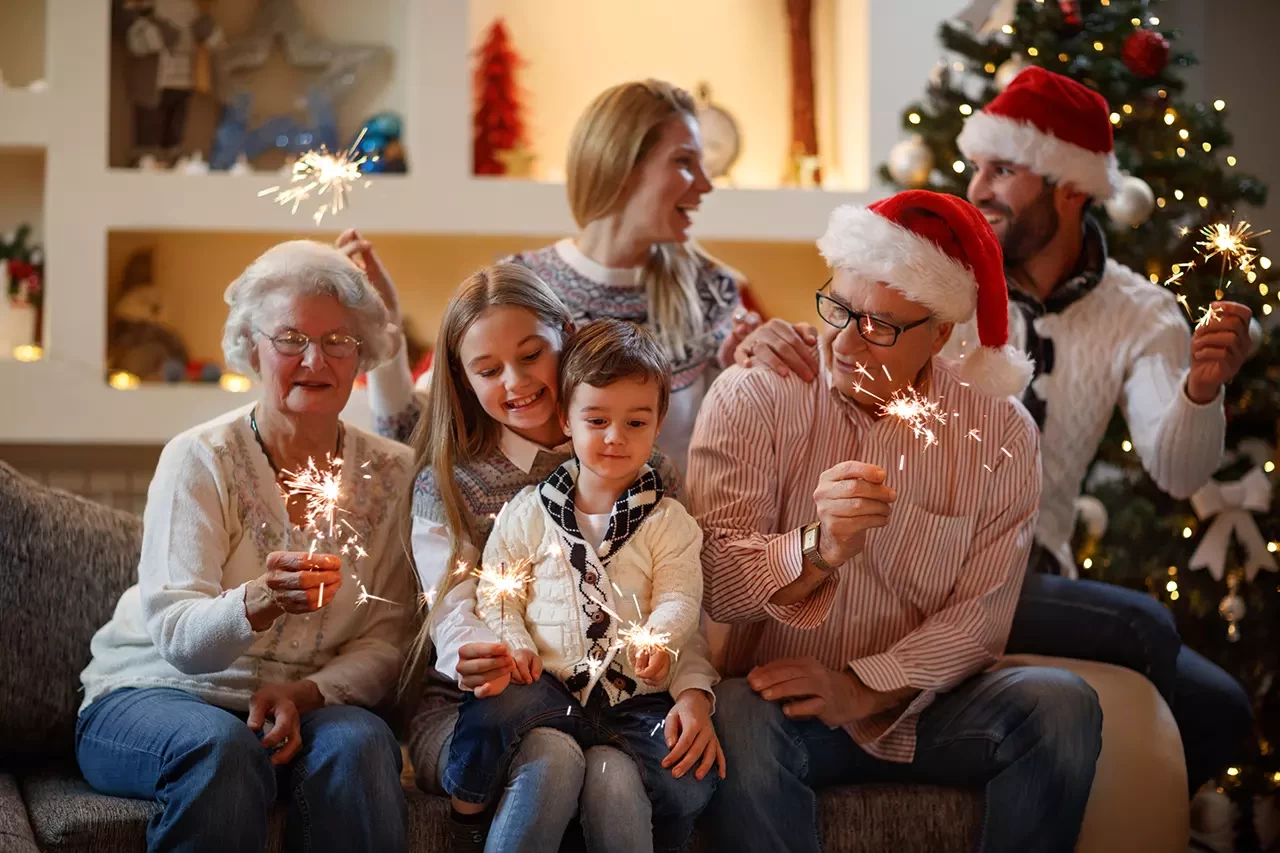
pixel 809 546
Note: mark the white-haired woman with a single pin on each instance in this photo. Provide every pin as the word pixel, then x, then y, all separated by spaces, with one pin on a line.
pixel 238 670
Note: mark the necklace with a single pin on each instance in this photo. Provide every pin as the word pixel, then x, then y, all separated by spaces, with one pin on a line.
pixel 262 445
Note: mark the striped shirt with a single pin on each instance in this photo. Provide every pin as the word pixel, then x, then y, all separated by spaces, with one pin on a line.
pixel 930 599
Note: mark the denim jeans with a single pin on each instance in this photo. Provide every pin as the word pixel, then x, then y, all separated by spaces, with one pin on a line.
pixel 1087 620
pixel 216 782
pixel 550 777
pixel 1028 736
pixel 489 731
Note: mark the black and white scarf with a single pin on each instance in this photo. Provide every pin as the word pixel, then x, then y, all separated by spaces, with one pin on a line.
pixel 557 494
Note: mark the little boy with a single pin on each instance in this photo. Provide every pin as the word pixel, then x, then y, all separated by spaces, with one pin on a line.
pixel 610 558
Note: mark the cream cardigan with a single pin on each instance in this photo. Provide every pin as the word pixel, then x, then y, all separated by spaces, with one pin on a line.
pixel 214 513
pixel 657 569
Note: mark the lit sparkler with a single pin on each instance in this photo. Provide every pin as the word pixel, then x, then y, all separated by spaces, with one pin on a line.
pixel 916 412
pixel 1208 314
pixel 1220 239
pixel 322 173
pixel 502 582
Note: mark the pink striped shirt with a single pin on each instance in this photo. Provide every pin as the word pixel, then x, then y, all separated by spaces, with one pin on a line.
pixel 930 599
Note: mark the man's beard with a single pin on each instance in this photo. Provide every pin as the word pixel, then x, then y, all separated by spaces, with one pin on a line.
pixel 1031 230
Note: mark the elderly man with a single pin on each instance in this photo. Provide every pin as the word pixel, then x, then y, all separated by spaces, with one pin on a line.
pixel 867 534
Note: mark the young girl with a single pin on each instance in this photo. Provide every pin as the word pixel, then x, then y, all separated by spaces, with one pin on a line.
pixel 598 537
pixel 486 429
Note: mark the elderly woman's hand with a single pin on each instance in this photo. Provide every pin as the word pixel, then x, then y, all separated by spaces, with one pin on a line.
pixel 284 704
pixel 292 584
pixel 361 251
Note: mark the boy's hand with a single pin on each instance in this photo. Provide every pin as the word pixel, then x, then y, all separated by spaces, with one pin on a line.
pixel 653 666
pixel 691 737
pixel 528 666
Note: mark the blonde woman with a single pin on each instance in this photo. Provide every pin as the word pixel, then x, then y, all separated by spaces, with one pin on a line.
pixel 635 180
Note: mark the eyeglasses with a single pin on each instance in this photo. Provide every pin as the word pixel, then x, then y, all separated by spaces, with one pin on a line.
pixel 292 343
pixel 874 331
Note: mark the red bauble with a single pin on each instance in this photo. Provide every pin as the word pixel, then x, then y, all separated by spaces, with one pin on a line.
pixel 1145 53
pixel 1070 13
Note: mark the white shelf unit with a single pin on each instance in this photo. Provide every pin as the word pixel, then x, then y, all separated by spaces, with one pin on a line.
pixel 886 47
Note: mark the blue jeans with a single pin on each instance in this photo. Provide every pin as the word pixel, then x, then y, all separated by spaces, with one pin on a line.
pixel 1029 736
pixel 1087 620
pixel 489 731
pixel 550 777
pixel 217 784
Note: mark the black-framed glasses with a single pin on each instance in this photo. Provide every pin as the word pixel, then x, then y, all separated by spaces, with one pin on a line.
pixel 874 331
pixel 291 342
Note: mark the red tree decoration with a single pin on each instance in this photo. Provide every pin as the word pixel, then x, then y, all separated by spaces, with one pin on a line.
pixel 1145 52
pixel 498 123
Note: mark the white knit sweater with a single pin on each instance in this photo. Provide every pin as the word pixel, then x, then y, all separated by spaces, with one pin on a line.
pixel 1124 343
pixel 658 569
pixel 214 513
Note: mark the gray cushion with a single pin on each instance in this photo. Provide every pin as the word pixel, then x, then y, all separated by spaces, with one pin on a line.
pixel 67 815
pixel 65 561
pixel 15 829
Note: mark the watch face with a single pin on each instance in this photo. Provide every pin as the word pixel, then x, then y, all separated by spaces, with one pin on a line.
pixel 810 537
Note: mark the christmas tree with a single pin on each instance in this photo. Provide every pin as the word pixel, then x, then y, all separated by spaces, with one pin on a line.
pixel 498 124
pixel 1182 178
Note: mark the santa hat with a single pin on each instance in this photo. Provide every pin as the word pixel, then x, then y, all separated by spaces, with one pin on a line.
pixel 939 251
pixel 1051 124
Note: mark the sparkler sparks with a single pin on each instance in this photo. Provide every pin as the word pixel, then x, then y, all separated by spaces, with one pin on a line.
pixel 1208 314
pixel 916 412
pixel 973 433
pixel 322 173
pixel 1220 239
pixel 502 582
pixel 321 490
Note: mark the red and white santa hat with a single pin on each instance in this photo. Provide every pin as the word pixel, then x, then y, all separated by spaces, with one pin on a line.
pixel 1051 124
pixel 939 251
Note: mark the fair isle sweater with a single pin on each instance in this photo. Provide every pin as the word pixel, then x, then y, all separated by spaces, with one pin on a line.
pixel 1107 337
pixel 591 291
pixel 214 512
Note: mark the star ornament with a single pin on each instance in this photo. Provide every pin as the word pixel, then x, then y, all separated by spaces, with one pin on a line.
pixel 338 65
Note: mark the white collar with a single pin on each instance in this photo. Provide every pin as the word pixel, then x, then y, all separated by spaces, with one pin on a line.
pixel 522 452
pixel 586 267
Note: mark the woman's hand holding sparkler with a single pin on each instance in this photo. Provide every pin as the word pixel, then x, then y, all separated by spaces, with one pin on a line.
pixel 1219 347
pixel 292 584
pixel 691 737
pixel 485 668
pixel 361 251
pixel 652 665
pixel 284 704
pixel 528 666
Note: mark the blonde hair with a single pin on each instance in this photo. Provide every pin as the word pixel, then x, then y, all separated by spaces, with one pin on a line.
pixel 454 428
pixel 610 139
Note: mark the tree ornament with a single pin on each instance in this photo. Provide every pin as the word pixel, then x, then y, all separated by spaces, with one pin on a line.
pixel 1008 70
pixel 1213 821
pixel 1132 204
pixel 1232 608
pixel 1255 336
pixel 910 162
pixel 1231 506
pixel 1071 14
pixel 498 121
pixel 1145 53
pixel 1092 513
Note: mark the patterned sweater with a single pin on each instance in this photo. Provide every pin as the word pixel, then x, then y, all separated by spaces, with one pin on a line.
pixel 214 513
pixel 582 598
pixel 591 291
pixel 1107 337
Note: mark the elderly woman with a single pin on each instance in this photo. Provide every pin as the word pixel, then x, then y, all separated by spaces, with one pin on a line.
pixel 234 672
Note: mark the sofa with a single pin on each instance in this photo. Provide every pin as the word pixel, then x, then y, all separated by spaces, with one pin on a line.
pixel 64 561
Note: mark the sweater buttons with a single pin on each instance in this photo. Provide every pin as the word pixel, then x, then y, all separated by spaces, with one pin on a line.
pixel 592 578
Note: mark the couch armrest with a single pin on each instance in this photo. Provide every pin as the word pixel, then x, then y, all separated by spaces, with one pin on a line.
pixel 15 829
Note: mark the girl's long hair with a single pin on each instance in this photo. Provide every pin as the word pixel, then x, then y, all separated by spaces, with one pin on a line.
pixel 615 133
pixel 454 429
